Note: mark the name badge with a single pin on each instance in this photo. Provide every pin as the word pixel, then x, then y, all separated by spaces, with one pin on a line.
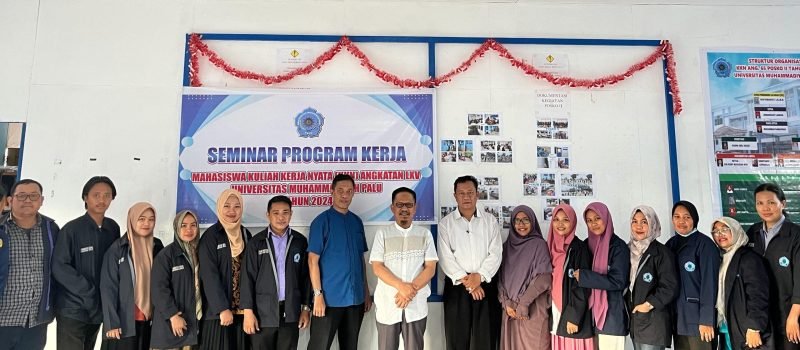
pixel 263 251
pixel 177 268
pixel 220 246
pixel 87 249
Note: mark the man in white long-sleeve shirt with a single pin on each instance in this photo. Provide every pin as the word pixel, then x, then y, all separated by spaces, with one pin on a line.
pixel 470 251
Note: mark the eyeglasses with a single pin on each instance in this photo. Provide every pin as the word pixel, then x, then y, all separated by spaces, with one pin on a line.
pixel 399 205
pixel 722 231
pixel 25 196
pixel 522 221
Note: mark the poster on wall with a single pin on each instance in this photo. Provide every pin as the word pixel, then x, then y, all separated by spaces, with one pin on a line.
pixel 456 151
pixel 273 142
pixel 483 124
pixel 753 110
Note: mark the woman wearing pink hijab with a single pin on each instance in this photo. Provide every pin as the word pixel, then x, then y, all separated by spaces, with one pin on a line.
pixel 608 278
pixel 572 320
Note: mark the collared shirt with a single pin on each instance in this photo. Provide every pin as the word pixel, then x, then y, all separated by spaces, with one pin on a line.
pixel 473 246
pixel 19 306
pixel 340 242
pixel 281 244
pixel 768 235
pixel 404 252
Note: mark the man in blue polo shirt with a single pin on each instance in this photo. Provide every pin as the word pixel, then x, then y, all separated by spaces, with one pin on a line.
pixel 336 247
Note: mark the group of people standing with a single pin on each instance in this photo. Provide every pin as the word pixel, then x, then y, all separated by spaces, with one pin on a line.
pixel 231 289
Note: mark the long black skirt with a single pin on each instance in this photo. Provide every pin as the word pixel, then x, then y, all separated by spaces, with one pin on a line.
pixel 140 341
pixel 213 336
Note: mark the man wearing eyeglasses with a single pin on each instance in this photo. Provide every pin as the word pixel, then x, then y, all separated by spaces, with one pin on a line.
pixel 77 261
pixel 470 251
pixel 27 293
pixel 404 260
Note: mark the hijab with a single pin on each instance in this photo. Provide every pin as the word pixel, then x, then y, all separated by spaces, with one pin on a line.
pixel 599 244
pixel 524 257
pixel 692 212
pixel 190 250
pixel 639 247
pixel 739 240
pixel 233 230
pixel 142 255
pixel 559 247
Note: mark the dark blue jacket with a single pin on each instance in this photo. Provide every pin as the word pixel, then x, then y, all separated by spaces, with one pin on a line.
pixel 216 271
pixel 259 288
pixel 747 298
pixel 698 267
pixel 77 262
pixel 656 283
pixel 615 282
pixel 172 291
pixel 117 285
pixel 574 299
pixel 49 233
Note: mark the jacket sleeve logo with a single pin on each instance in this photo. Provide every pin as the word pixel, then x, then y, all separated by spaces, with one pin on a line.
pixel 689 266
pixel 297 257
pixel 783 261
pixel 571 273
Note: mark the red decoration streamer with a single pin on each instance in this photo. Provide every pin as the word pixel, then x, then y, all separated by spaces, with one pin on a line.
pixel 664 51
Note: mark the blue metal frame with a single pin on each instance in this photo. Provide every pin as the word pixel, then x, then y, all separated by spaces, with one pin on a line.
pixel 21 151
pixel 432 41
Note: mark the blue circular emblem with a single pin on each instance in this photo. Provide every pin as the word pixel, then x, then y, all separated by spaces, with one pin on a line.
pixel 309 123
pixel 297 257
pixel 571 273
pixel 722 68
pixel 689 266
pixel 783 261
pixel 647 277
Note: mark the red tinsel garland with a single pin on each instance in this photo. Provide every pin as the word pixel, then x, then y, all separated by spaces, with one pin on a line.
pixel 664 51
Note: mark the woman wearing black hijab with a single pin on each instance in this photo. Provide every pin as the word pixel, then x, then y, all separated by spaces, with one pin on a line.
pixel 698 263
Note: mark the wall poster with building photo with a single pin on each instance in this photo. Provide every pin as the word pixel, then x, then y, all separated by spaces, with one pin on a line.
pixel 753 106
pixel 489 188
pixel 549 204
pixel 483 124
pixel 456 151
pixel 576 185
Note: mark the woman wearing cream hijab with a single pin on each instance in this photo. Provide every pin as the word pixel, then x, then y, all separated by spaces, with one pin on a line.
pixel 220 252
pixel 743 294
pixel 125 282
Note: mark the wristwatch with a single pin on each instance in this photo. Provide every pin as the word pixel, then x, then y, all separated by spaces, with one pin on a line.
pixel 317 292
pixel 305 307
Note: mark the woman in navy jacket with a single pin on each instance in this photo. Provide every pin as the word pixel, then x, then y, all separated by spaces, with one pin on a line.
pixel 743 295
pixel 653 283
pixel 176 298
pixel 125 282
pixel 608 278
pixel 778 240
pixel 572 320
pixel 221 252
pixel 698 267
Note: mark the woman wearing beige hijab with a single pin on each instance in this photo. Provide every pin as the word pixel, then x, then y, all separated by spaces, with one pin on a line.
pixel 125 282
pixel 220 252
pixel 743 293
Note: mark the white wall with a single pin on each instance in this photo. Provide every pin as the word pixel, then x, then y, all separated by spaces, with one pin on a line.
pixel 98 79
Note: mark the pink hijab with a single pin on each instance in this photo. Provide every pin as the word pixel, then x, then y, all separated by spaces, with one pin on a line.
pixel 599 244
pixel 559 246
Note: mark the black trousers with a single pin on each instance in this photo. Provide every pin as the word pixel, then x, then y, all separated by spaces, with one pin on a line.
pixel 72 334
pixel 471 324
pixel 783 343
pixel 140 341
pixel 683 342
pixel 22 338
pixel 213 336
pixel 345 320
pixel 283 337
